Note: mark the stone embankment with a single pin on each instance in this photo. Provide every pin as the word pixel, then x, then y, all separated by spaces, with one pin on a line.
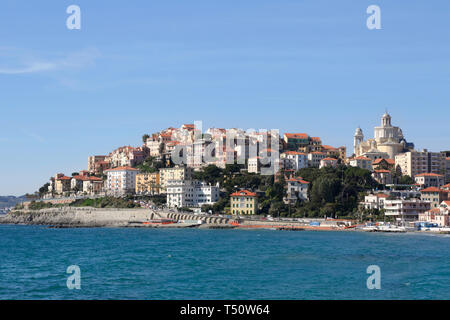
pixel 105 217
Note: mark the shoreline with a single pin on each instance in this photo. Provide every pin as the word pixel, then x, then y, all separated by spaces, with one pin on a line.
pixel 87 217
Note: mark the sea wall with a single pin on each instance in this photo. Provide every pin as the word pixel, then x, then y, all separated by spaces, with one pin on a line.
pixel 95 217
pixel 79 217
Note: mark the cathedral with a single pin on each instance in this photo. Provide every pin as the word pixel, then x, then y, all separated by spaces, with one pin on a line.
pixel 388 141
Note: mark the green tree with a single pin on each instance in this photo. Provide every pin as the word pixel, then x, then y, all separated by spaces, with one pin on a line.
pixel 406 180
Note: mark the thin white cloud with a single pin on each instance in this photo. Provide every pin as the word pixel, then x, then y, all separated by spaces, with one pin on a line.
pixel 32 68
pixel 28 65
pixel 36 137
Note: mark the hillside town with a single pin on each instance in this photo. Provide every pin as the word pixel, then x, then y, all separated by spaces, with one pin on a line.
pixel 237 172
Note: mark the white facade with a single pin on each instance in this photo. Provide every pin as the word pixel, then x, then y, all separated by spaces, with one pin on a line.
pixel 328 162
pixel 314 158
pixel 426 180
pixel 254 165
pixel 361 162
pixel 416 162
pixel 407 210
pixel 294 160
pixel 297 190
pixel 190 193
pixel 121 180
pixel 374 201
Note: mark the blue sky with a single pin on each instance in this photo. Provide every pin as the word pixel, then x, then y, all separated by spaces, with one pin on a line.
pixel 137 67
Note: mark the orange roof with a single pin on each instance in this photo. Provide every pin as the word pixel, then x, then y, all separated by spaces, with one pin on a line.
pixel 431 189
pixel 389 161
pixel 446 186
pixel 294 153
pixel 447 203
pixel 329 159
pixel 315 138
pixel 435 210
pixel 429 175
pixel 298 180
pixel 448 158
pixel 122 169
pixel 243 193
pixel 296 135
pixel 329 148
pixel 95 179
pixel 382 171
pixel 317 152
pixel 84 178
pixel 382 195
pixel 64 178
pixel 361 158
pixel 79 177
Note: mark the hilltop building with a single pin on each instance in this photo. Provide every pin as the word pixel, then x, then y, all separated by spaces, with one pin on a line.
pixel 388 141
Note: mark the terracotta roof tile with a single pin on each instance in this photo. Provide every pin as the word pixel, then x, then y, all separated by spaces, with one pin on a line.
pixel 243 193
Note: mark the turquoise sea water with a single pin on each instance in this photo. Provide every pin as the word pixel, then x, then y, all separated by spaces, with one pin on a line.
pixel 220 264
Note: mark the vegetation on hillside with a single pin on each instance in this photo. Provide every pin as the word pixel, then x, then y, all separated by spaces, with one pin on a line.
pixel 106 202
pixel 332 192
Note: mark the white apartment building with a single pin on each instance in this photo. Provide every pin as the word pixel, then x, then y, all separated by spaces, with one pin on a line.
pixel 374 201
pixel 154 147
pixel 297 190
pixel 362 162
pixel 294 160
pixel 415 162
pixel 190 193
pixel 405 210
pixel 314 158
pixel 328 162
pixel 426 180
pixel 254 165
pixel 121 180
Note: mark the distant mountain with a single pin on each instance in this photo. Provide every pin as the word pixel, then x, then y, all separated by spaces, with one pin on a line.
pixel 10 201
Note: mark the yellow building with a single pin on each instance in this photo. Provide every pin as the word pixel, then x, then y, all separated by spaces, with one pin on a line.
pixel 175 173
pixel 243 202
pixel 62 183
pixel 148 183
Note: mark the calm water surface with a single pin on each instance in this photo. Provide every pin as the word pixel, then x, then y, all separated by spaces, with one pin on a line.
pixel 220 264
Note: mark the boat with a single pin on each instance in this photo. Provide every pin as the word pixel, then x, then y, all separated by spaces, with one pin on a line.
pixel 381 227
pixel 390 228
pixel 369 228
pixel 286 228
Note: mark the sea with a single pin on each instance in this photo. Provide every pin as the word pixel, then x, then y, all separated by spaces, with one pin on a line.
pixel 37 262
